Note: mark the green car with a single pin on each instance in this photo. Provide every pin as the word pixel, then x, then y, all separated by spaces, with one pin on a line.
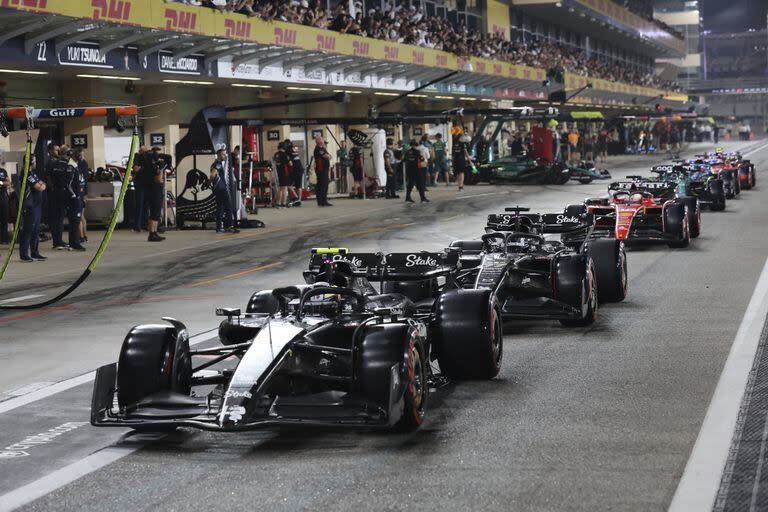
pixel 520 169
pixel 586 172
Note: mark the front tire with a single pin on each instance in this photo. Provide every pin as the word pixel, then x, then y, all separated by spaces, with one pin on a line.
pixel 676 222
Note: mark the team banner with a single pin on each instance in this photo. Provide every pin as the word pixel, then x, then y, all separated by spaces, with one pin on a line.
pixel 176 17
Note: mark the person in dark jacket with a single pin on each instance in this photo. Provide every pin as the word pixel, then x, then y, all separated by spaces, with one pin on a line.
pixel 5 186
pixel 322 171
pixel 413 174
pixel 82 185
pixel 32 211
pixel 221 180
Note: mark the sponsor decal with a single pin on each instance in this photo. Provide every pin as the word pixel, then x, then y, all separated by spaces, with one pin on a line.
pixel 180 20
pixel 21 448
pixel 413 260
pixel 285 36
pixel 325 42
pixel 441 61
pixel 361 48
pixel 564 219
pixel 113 10
pixel 391 52
pixel 235 413
pixel 237 29
pixel 480 66
pixel 497 69
pixel 60 112
pixel 357 262
pixel 418 57
pixel 238 394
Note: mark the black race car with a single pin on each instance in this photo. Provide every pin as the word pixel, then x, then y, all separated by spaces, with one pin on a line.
pixel 333 352
pixel 536 278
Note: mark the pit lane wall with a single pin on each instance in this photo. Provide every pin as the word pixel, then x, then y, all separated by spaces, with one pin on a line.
pixel 209 22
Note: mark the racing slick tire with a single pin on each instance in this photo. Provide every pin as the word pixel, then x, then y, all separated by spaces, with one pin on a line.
pixel 736 182
pixel 575 284
pixel 728 184
pixel 153 358
pixel 610 262
pixel 676 223
pixel 694 215
pixel 381 348
pixel 717 192
pixel 468 334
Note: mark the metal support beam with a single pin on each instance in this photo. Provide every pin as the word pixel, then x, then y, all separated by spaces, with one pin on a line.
pixel 229 50
pixel 250 55
pixel 271 59
pixel 373 67
pixel 23 29
pixel 186 52
pixel 168 43
pixel 330 65
pixel 33 39
pixel 63 42
pixel 301 60
pixel 123 41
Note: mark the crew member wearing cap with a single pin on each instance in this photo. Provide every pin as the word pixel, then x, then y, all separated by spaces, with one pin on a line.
pixel 322 170
pixel 221 179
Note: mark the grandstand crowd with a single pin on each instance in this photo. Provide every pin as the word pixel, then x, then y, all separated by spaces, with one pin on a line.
pixel 410 25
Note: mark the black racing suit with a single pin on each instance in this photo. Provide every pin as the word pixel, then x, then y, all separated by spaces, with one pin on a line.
pixel 413 174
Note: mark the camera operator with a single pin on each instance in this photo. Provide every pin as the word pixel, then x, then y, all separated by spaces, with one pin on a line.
pixel 5 187
pixel 153 170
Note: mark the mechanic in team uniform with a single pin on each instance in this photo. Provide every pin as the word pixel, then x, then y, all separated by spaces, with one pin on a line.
pixel 220 180
pixel 56 178
pixel 283 173
pixel 322 171
pixel 441 160
pixel 414 163
pixel 74 205
pixel 5 187
pixel 297 174
pixel 356 155
pixel 82 188
pixel 389 167
pixel 154 175
pixel 32 212
pixel 461 160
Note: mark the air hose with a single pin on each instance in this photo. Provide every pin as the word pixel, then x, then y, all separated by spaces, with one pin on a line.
pixel 20 209
pixel 104 241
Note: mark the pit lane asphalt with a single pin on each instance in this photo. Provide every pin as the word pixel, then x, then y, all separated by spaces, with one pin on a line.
pixel 579 419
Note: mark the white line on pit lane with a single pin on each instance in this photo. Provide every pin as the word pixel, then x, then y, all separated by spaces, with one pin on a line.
pixel 64 385
pixel 17 299
pixel 61 477
pixel 700 482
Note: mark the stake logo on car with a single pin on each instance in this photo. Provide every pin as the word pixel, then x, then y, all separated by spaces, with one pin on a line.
pixel 413 260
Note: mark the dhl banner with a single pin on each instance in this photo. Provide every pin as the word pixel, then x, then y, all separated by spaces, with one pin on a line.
pixel 176 17
pixel 574 82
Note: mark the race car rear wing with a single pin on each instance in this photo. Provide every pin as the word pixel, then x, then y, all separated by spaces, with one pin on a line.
pixel 411 266
pixel 540 223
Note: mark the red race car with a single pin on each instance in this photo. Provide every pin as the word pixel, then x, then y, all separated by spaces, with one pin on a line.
pixel 746 168
pixel 637 216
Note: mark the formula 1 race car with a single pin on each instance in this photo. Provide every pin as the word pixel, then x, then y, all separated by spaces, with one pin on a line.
pixel 333 352
pixel 689 180
pixel 726 171
pixel 636 216
pixel 745 168
pixel 586 172
pixel 536 278
pixel 522 169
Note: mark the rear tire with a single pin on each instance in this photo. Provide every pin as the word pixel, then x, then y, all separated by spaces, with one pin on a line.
pixel 468 334
pixel 718 196
pixel 153 358
pixel 610 262
pixel 676 221
pixel 582 295
pixel 694 215
pixel 263 302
